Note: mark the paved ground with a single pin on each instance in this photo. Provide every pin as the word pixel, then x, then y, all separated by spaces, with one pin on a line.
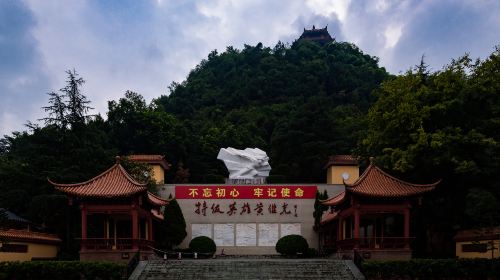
pixel 242 268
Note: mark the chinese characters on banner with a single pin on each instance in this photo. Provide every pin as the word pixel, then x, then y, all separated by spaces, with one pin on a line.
pixel 245 192
pixel 230 209
pixel 258 208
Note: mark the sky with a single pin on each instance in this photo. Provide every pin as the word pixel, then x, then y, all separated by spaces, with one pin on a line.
pixel 146 45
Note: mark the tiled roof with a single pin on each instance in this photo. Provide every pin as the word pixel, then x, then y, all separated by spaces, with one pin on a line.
pixel 335 200
pixel 342 160
pixel 152 159
pixel 478 234
pixel 155 200
pixel 114 182
pixel 376 183
pixel 328 217
pixel 29 236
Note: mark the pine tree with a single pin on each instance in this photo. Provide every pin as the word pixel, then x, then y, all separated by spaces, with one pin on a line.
pixel 77 107
pixel 70 106
pixel 174 225
pixel 56 109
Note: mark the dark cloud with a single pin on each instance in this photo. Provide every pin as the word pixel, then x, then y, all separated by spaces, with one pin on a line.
pixel 22 81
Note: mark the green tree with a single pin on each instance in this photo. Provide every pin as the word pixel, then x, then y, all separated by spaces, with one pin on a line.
pixel 141 172
pixel 319 209
pixel 426 126
pixel 77 103
pixel 57 111
pixel 174 225
pixel 482 208
pixel 136 127
pixel 70 106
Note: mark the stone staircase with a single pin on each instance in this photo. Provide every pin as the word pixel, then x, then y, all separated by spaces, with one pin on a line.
pixel 247 268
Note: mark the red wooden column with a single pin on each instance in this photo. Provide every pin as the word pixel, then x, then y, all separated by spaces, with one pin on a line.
pixel 83 209
pixel 356 227
pixel 135 227
pixel 340 232
pixel 407 227
pixel 150 228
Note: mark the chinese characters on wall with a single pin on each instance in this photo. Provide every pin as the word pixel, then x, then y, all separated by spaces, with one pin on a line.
pixel 263 199
pixel 245 208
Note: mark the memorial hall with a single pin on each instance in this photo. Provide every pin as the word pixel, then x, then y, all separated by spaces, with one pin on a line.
pixel 368 213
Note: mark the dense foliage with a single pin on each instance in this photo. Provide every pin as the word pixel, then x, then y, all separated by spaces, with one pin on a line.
pixel 432 269
pixel 299 104
pixel 61 270
pixel 443 125
pixel 291 245
pixel 202 244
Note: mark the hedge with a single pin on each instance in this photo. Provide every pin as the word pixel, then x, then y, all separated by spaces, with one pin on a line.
pixel 61 270
pixel 202 244
pixel 292 244
pixel 433 269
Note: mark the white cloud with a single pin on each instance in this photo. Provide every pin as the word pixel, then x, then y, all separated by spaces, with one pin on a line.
pixel 8 122
pixel 392 34
pixel 328 7
pixel 145 47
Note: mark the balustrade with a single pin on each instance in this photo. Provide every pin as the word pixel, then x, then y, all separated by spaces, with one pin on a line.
pixel 95 244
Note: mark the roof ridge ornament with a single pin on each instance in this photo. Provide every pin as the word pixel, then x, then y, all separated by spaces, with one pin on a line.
pixel 117 159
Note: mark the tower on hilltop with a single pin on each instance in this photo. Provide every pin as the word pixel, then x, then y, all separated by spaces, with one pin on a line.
pixel 320 35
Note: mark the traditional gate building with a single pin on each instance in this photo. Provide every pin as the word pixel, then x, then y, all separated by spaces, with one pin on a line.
pixel 118 214
pixel 372 216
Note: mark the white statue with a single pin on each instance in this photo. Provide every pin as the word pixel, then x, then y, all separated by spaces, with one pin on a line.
pixel 245 164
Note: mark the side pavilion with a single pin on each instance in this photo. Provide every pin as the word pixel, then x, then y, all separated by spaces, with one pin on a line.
pixel 372 216
pixel 117 214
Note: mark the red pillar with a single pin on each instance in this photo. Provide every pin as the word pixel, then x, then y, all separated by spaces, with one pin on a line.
pixel 340 233
pixel 150 228
pixel 356 227
pixel 135 227
pixel 84 225
pixel 407 227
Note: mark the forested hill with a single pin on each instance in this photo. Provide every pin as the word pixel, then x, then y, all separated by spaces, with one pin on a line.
pixel 299 104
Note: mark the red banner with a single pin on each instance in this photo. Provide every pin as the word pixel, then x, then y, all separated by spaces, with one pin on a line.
pixel 245 192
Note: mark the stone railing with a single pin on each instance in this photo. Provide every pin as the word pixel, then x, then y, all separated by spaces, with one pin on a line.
pixel 383 243
pixel 95 244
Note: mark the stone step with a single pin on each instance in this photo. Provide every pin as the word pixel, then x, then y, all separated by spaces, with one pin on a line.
pixel 240 269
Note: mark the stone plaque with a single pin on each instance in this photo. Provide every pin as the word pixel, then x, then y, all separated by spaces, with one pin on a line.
pixel 287 229
pixel 268 234
pixel 201 230
pixel 246 234
pixel 224 234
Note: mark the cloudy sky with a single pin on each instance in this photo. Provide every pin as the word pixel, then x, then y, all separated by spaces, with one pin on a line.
pixel 145 45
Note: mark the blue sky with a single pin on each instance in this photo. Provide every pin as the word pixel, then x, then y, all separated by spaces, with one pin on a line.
pixel 145 45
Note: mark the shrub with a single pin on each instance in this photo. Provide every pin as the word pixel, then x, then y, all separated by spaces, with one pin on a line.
pixel 64 270
pixel 202 244
pixel 291 245
pixel 432 269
